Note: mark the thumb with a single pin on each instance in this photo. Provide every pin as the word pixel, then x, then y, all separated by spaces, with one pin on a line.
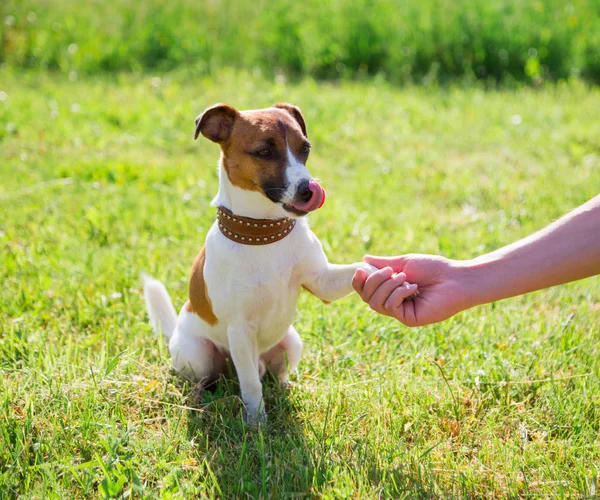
pixel 396 263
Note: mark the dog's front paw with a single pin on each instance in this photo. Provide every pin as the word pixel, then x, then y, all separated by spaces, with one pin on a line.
pixel 255 415
pixel 367 268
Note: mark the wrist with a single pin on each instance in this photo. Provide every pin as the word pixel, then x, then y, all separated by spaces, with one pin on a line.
pixel 481 286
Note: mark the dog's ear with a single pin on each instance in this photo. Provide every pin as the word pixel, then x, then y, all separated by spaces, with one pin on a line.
pixel 295 112
pixel 216 122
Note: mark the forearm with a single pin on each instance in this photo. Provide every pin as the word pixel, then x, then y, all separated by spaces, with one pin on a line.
pixel 567 250
pixel 333 281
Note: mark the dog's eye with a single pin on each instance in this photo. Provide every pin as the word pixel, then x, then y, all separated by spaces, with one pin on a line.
pixel 306 149
pixel 265 153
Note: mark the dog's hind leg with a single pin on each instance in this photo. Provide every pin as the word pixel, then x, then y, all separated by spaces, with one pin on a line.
pixel 283 358
pixel 193 356
pixel 196 358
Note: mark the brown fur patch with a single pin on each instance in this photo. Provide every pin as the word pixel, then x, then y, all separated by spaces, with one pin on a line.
pixel 295 112
pixel 199 302
pixel 252 131
pixel 310 291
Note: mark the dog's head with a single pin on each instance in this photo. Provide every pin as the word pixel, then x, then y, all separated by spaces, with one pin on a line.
pixel 265 150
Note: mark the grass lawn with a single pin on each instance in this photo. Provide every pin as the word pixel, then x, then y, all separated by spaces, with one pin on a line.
pixel 100 179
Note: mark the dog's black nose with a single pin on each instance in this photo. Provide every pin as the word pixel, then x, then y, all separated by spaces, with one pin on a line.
pixel 304 193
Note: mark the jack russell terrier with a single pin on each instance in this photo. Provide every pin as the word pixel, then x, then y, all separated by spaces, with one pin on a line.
pixel 245 281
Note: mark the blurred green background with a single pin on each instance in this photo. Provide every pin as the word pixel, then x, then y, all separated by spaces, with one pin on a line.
pixel 405 41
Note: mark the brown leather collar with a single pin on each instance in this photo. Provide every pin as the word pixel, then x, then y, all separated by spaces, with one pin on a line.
pixel 249 231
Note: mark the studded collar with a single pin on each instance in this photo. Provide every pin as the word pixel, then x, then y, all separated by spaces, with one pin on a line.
pixel 249 231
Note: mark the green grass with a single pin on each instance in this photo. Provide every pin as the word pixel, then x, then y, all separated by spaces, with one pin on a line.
pixel 407 41
pixel 100 179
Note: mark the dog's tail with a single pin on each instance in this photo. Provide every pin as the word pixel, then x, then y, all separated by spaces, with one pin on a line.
pixel 163 317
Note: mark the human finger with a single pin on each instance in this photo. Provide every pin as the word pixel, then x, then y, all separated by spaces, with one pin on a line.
pixel 358 280
pixel 383 292
pixel 372 283
pixel 398 296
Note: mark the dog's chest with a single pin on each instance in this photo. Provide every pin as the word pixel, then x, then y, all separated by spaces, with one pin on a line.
pixel 254 285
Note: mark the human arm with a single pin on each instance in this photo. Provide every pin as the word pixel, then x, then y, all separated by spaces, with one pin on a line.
pixel 564 251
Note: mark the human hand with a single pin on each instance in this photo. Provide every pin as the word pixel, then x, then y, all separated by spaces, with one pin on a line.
pixel 442 285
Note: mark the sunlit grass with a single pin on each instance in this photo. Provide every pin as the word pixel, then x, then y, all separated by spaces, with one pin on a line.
pixel 100 179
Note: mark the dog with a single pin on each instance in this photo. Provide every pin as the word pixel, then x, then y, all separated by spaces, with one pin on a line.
pixel 258 254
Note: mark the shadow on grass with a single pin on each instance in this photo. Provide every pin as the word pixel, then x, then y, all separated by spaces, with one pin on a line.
pixel 286 458
pixel 271 461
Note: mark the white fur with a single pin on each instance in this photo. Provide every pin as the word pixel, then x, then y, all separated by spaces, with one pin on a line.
pixel 160 308
pixel 295 173
pixel 253 291
pixel 244 202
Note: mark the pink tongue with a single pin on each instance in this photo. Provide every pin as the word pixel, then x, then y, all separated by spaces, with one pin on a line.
pixel 316 200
